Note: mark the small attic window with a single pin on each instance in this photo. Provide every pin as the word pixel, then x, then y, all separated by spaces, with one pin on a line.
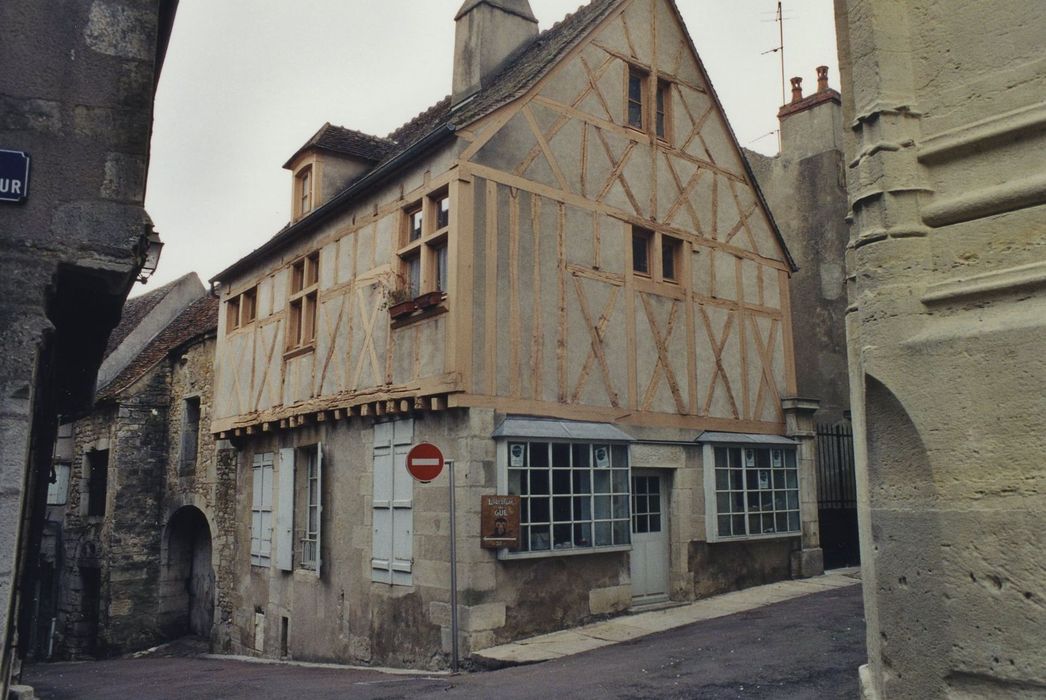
pixel 304 184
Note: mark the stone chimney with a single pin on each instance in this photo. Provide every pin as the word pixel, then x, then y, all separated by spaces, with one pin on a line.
pixel 488 33
pixel 811 124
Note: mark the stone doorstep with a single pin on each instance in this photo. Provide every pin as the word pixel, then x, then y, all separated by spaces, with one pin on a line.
pixel 21 692
pixel 599 634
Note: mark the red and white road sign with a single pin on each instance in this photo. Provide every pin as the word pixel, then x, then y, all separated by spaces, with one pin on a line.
pixel 424 462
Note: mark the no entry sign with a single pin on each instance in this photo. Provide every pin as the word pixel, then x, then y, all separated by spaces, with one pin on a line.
pixel 424 462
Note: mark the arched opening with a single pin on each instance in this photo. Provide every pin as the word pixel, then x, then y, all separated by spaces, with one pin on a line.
pixel 187 576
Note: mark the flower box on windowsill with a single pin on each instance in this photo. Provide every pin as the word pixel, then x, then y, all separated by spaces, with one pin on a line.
pixel 428 299
pixel 403 308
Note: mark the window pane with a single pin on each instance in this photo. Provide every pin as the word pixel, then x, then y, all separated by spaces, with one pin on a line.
pixel 793 522
pixel 622 534
pixel 603 534
pixel 722 480
pixel 601 456
pixel 561 509
pixel 602 505
pixel 619 454
pixel 790 480
pixel 514 480
pixel 641 251
pixel 620 481
pixel 560 454
pixel 655 523
pixel 668 257
pixel 738 522
pixel 442 212
pixel 789 456
pixel 655 502
pixel 414 224
pixel 538 454
pixel 562 536
pixel 735 457
pixel 641 523
pixel 582 508
pixel 724 526
pixel 737 481
pixel 583 535
pixel 582 482
pixel 539 538
pixel 620 506
pixel 561 481
pixel 779 479
pixel 414 275
pixel 539 510
pixel 723 503
pixel 582 456
pixel 539 482
pixel 755 526
pixel 602 482
pixel 793 500
pixel 441 268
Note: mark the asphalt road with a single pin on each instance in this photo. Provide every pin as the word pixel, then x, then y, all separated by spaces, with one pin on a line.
pixel 808 647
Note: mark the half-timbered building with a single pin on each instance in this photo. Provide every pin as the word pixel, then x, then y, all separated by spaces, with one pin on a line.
pixel 563 275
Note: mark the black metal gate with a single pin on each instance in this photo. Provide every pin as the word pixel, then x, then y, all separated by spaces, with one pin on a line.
pixel 837 496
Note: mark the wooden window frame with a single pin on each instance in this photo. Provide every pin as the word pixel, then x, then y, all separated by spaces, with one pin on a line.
pixel 643 75
pixel 302 302
pixel 241 309
pixel 425 248
pixel 663 110
pixel 232 314
pixel 305 190
pixel 657 243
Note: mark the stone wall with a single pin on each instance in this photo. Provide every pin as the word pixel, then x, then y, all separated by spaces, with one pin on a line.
pixel 75 94
pixel 948 316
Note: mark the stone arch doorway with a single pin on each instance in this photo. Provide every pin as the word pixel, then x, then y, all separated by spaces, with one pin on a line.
pixel 187 575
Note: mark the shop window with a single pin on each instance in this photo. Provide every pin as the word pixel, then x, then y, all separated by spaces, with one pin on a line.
pixel 751 492
pixel 261 509
pixel 573 495
pixel 302 302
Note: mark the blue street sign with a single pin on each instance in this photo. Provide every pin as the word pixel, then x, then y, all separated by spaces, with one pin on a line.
pixel 14 176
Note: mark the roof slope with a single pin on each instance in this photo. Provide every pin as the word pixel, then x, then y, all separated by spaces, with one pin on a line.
pixel 135 310
pixel 531 64
pixel 349 142
pixel 197 319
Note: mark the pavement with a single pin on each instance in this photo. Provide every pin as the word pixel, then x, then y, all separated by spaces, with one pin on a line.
pixel 556 645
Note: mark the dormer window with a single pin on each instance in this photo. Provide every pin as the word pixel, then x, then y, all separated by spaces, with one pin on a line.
pixel 304 191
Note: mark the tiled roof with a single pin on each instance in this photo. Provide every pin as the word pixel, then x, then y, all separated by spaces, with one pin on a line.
pixel 338 139
pixel 134 312
pixel 514 79
pixel 529 66
pixel 197 319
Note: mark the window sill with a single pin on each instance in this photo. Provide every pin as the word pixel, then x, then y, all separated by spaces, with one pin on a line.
pixel 506 555
pixel 749 538
pixel 299 351
pixel 306 574
pixel 419 315
pixel 663 288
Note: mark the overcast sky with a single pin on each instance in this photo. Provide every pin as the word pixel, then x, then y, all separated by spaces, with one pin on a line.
pixel 246 82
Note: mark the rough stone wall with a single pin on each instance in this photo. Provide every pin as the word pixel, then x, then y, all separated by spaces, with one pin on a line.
pixel 948 376
pixel 76 94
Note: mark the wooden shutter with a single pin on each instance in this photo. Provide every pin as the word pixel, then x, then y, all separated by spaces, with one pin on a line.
pixel 393 518
pixel 285 511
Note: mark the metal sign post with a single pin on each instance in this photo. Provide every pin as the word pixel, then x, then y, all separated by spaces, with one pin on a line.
pixel 454 661
pixel 425 462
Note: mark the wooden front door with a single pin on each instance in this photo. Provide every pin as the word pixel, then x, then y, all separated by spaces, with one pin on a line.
pixel 650 552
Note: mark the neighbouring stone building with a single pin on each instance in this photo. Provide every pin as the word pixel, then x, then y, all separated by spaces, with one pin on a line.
pixel 805 186
pixel 76 94
pixel 565 276
pixel 947 331
pixel 134 523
